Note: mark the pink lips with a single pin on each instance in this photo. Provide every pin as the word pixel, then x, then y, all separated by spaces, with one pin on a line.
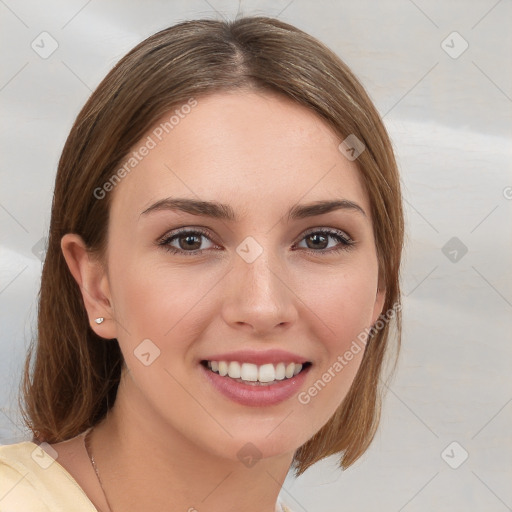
pixel 257 395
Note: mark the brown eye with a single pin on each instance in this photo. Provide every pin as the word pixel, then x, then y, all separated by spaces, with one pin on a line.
pixel 318 241
pixel 188 242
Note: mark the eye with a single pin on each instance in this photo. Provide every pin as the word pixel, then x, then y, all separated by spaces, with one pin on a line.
pixel 188 241
pixel 319 241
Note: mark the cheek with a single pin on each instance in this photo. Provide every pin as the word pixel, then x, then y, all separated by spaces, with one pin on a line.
pixel 152 296
pixel 343 311
pixel 163 310
pixel 170 305
pixel 344 304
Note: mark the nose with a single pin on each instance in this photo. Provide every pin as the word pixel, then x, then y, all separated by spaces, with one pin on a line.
pixel 260 297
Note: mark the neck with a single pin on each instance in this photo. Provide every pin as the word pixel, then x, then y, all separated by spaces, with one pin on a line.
pixel 147 465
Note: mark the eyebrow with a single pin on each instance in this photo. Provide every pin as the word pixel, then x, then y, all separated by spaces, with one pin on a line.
pixel 221 211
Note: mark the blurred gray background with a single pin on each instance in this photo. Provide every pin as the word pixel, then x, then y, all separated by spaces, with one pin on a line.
pixel 440 73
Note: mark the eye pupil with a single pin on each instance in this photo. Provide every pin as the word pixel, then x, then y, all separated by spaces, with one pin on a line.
pixel 317 237
pixel 188 239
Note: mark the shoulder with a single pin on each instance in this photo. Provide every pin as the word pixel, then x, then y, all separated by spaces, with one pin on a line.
pixel 16 487
pixel 32 480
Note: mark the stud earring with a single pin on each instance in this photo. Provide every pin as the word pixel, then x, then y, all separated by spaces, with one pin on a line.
pixel 99 320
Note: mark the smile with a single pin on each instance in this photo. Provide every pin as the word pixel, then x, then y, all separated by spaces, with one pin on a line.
pixel 255 393
pixel 249 373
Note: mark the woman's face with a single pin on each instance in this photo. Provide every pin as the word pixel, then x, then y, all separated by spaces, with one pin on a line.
pixel 250 277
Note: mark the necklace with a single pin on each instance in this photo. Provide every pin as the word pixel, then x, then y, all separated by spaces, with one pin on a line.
pixel 91 458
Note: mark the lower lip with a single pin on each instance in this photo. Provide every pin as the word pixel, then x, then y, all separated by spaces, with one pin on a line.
pixel 256 396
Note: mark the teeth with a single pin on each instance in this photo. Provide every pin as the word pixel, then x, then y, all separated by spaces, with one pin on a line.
pixel 234 370
pixel 223 368
pixel 280 371
pixel 249 372
pixel 267 373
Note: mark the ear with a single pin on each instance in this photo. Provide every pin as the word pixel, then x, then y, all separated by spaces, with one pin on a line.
pixel 92 279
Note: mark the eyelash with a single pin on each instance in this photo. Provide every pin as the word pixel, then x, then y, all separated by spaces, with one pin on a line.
pixel 346 242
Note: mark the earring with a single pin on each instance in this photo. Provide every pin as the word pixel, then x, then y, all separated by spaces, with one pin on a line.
pixel 99 320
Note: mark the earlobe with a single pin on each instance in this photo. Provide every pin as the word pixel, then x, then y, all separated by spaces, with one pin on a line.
pixel 92 279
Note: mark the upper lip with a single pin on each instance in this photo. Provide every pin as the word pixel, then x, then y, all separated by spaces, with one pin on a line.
pixel 260 357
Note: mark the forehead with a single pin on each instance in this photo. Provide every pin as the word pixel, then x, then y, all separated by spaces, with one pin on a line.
pixel 259 152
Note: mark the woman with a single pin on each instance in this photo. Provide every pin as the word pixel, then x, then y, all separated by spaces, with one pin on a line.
pixel 221 275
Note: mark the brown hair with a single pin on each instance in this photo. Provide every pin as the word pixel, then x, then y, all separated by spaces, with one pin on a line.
pixel 75 375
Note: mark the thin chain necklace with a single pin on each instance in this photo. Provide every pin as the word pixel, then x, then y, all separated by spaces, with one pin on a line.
pixel 91 458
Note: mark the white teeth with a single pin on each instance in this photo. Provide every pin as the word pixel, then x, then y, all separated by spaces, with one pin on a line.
pixel 234 370
pixel 253 373
pixel 267 373
pixel 223 368
pixel 280 371
pixel 249 372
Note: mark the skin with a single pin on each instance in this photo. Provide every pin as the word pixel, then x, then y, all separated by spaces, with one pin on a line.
pixel 168 433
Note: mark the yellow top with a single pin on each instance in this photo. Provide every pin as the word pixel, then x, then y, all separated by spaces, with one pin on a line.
pixel 31 480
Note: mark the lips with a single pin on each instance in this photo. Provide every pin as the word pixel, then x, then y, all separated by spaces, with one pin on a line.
pixel 256 378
